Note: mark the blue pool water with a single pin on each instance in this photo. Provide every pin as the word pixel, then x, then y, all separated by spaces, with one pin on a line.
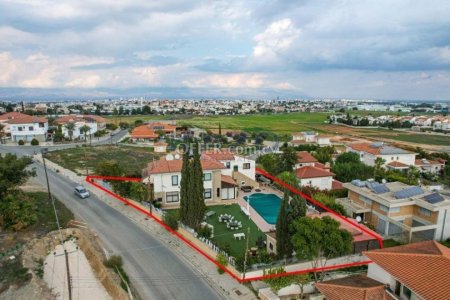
pixel 267 206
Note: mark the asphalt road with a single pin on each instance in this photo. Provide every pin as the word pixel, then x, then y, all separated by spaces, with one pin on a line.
pixel 156 271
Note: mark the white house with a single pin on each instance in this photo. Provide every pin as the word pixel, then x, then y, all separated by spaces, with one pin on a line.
pixel 24 127
pixel 393 157
pixel 95 123
pixel 310 137
pixel 315 177
pixel 429 166
pixel 165 175
pixel 233 163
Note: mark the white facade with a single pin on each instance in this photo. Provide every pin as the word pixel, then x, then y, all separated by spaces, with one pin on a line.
pixel 28 131
pixel 322 183
pixel 369 159
pixel 77 133
pixel 240 164
pixel 323 141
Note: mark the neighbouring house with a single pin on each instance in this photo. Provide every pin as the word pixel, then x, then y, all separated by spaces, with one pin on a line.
pixel 400 211
pixel 143 133
pixel 430 166
pixel 315 177
pixel 304 158
pixel 310 137
pixel 394 158
pixel 219 185
pixel 414 271
pixel 95 123
pixel 165 128
pixel 24 127
pixel 359 287
pixel 160 147
pixel 362 240
pixel 238 167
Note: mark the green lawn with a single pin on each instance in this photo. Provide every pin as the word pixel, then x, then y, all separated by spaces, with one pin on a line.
pixel 223 237
pixel 132 159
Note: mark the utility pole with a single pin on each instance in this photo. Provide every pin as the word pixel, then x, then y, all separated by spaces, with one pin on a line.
pixel 246 252
pixel 52 200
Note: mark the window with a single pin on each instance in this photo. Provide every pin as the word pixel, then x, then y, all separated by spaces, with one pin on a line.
pixel 365 199
pixel 271 246
pixel 207 177
pixel 394 210
pixel 30 128
pixel 227 164
pixel 207 194
pixel 172 197
pixel 235 168
pixel 174 179
pixel 246 166
pixel 41 125
pixel 406 293
pixel 392 158
pixel 384 208
pixel 218 192
pixel 19 128
pixel 424 212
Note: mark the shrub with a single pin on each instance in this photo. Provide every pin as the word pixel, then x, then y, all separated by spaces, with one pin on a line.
pixel 34 142
pixel 113 262
pixel 21 142
pixel 221 260
pixel 204 231
pixel 171 220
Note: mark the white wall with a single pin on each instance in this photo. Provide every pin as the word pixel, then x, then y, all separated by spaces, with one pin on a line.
pixel 76 131
pixel 26 134
pixel 445 226
pixel 407 159
pixel 323 183
pixel 376 272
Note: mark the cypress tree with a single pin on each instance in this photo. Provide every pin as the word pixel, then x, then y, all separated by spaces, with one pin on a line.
pixel 198 208
pixel 298 208
pixel 185 186
pixel 220 130
pixel 284 244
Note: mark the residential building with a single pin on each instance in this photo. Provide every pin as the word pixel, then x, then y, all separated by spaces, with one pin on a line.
pixel 222 173
pixel 24 127
pixel 400 211
pixel 95 123
pixel 315 177
pixel 304 158
pixel 160 147
pixel 430 166
pixel 143 133
pixel 413 271
pixel 310 137
pixel 394 158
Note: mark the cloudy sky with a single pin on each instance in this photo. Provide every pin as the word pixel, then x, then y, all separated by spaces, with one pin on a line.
pixel 381 49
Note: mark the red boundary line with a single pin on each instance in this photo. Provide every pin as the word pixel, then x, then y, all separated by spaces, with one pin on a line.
pixel 90 180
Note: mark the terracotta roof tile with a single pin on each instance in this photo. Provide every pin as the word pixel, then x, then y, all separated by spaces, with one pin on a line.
pixel 144 132
pixel 305 157
pixel 20 118
pixel 397 164
pixel 423 267
pixel 427 162
pixel 227 179
pixel 174 166
pixel 312 172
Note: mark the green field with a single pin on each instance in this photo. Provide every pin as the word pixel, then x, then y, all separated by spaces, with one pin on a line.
pixel 132 159
pixel 223 237
pixel 429 139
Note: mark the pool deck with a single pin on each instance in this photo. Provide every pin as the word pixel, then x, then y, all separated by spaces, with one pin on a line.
pixel 256 218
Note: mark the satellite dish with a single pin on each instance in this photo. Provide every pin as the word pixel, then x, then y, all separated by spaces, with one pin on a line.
pixel 358 219
pixel 177 156
pixel 169 157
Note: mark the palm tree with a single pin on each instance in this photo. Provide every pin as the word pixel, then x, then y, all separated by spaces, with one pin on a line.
pixel 70 127
pixel 379 162
pixel 85 129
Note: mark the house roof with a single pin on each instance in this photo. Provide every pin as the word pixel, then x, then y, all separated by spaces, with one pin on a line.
pixel 397 164
pixel 305 157
pixel 312 172
pixel 80 118
pixel 227 180
pixel 427 162
pixel 219 154
pixel 144 131
pixel 20 118
pixel 174 165
pixel 423 267
pixel 377 149
pixel 155 126
pixel 353 287
pixel 160 143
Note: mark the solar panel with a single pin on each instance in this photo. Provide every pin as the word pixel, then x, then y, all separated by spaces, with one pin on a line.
pixel 434 198
pixel 409 192
pixel 380 189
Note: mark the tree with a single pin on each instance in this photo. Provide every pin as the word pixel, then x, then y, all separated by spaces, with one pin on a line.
pixel 2 133
pixel 198 208
pixel 346 172
pixel 288 159
pixel 347 157
pixel 185 189
pixel 17 212
pixel 220 129
pixel 289 178
pixel 412 175
pixel 270 163
pixel 320 239
pixel 379 162
pixel 13 172
pixel 330 202
pixel 146 110
pixel 85 129
pixel 284 243
pixel 298 208
pixel 70 127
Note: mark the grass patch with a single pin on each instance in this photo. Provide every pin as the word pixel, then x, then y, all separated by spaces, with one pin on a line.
pixel 391 243
pixel 12 272
pixel 223 237
pixel 131 159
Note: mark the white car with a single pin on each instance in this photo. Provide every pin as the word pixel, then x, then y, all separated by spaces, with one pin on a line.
pixel 81 192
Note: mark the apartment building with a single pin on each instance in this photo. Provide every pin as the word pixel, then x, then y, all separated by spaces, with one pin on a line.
pixel 394 158
pixel 399 211
pixel 24 127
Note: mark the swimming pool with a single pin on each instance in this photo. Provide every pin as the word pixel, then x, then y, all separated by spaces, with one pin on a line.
pixel 267 206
